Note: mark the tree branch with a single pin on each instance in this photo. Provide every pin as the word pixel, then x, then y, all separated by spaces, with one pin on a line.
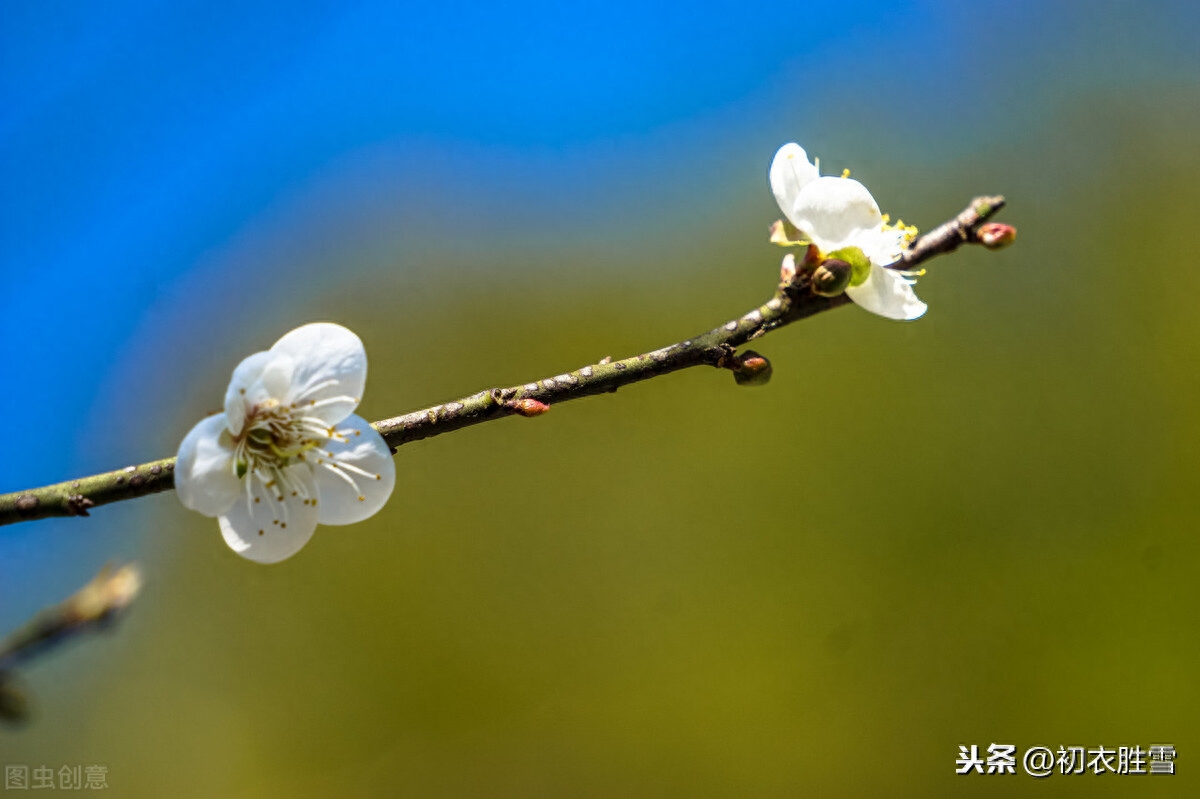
pixel 92 607
pixel 793 300
pixel 962 229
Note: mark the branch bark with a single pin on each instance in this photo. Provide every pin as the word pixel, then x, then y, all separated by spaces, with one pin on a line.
pixel 793 300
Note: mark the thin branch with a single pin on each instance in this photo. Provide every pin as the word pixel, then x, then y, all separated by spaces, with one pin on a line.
pixel 104 596
pixel 949 236
pixel 793 300
pixel 92 607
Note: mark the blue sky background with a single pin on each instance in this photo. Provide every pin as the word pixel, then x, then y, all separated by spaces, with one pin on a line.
pixel 138 140
pixel 182 182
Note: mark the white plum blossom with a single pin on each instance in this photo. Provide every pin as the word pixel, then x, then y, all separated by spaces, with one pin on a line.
pixel 288 451
pixel 839 216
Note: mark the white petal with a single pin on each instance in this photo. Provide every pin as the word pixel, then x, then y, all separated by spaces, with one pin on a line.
pixel 330 364
pixel 265 528
pixel 887 293
pixel 882 246
pixel 244 387
pixel 833 211
pixel 277 376
pixel 790 172
pixel 204 477
pixel 365 451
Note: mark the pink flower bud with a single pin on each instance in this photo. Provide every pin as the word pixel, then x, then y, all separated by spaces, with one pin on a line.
pixel 528 406
pixel 787 271
pixel 995 235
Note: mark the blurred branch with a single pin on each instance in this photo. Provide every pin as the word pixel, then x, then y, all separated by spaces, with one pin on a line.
pixel 92 607
pixel 794 299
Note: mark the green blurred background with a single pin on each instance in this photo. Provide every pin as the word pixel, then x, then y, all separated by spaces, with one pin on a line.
pixel 976 528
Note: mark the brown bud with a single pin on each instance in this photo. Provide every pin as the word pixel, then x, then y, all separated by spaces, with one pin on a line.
pixel 751 369
pixel 528 406
pixel 996 235
pixel 831 278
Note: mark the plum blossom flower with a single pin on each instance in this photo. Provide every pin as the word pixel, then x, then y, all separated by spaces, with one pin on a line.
pixel 842 220
pixel 288 451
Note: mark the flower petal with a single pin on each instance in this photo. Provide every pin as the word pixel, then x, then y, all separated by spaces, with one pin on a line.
pixel 254 380
pixel 834 211
pixel 268 527
pixel 790 172
pixel 887 293
pixel 204 477
pixel 883 245
pixel 362 483
pixel 330 369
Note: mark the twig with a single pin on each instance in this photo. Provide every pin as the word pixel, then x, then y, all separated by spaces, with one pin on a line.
pixel 793 300
pixel 107 594
pixel 92 607
pixel 949 236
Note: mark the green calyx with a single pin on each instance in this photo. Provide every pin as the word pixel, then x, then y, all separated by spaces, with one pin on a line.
pixel 860 265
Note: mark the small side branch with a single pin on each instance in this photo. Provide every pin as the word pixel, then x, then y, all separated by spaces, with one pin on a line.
pixel 793 300
pixel 92 607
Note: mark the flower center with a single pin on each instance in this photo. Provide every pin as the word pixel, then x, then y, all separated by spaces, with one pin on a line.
pixel 275 434
pixel 277 438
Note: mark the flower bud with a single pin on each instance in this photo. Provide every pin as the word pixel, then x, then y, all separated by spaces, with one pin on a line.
pixel 751 369
pixel 787 271
pixel 995 235
pixel 528 406
pixel 832 277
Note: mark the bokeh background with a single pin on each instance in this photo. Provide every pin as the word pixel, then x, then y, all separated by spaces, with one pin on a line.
pixel 976 528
